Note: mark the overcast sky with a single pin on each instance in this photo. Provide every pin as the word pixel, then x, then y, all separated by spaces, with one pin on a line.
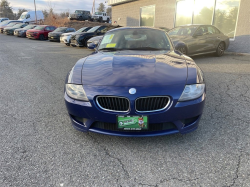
pixel 58 5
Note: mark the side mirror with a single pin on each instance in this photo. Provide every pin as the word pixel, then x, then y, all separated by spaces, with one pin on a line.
pixel 92 46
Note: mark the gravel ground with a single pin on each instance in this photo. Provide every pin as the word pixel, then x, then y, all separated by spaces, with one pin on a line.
pixel 39 147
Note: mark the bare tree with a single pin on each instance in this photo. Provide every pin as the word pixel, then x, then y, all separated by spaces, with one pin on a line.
pixel 109 11
pixel 101 8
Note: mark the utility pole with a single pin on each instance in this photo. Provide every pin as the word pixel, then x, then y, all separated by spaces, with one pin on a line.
pixel 93 8
pixel 35 10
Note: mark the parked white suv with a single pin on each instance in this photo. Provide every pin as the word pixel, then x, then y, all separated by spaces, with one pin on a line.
pixel 101 17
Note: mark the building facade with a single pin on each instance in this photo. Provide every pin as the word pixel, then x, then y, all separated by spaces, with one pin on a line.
pixel 232 17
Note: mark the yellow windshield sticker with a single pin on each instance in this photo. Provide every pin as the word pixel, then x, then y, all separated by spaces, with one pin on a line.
pixel 107 39
pixel 110 45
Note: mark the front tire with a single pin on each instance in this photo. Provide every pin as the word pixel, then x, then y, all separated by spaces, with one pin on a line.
pixel 41 37
pixel 220 50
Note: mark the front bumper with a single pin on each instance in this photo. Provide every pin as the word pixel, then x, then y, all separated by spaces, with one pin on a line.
pixel 32 36
pixel 8 32
pixel 76 43
pixel 20 34
pixel 54 38
pixel 182 117
pixel 65 39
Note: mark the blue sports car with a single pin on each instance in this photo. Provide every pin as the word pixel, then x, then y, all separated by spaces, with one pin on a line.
pixel 135 84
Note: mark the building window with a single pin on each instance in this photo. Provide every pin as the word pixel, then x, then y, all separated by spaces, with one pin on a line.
pixel 225 17
pixel 147 17
pixel 184 11
pixel 203 12
pixel 220 13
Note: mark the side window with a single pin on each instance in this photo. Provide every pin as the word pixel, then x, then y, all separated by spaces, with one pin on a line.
pixel 47 29
pixel 103 29
pixel 216 30
pixel 28 16
pixel 202 30
pixel 211 30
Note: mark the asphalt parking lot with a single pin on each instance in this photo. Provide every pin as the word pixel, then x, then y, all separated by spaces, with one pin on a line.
pixel 39 147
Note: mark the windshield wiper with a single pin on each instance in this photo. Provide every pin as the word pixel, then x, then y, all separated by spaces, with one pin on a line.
pixel 109 49
pixel 147 48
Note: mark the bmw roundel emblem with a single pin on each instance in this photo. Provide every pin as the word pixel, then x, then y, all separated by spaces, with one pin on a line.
pixel 132 91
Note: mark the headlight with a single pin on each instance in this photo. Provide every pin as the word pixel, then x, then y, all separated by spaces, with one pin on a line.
pixel 76 92
pixel 191 92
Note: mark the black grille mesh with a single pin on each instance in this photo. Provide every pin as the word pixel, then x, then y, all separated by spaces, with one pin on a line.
pixel 114 103
pixel 151 103
pixel 152 127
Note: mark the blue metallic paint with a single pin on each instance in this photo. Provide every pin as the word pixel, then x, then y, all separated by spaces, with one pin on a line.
pixel 157 75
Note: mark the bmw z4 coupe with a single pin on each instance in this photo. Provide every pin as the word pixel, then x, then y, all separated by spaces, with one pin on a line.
pixel 135 84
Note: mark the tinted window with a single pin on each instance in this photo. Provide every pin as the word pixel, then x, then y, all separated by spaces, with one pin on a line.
pixel 211 30
pixel 61 29
pixel 183 31
pixel 203 30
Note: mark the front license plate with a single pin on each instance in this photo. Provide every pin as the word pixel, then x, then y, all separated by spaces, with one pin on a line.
pixel 133 123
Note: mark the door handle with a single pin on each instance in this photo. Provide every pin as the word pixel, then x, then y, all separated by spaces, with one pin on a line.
pixel 218 37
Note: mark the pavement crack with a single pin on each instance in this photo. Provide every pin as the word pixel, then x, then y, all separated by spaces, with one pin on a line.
pixel 237 170
pixel 111 156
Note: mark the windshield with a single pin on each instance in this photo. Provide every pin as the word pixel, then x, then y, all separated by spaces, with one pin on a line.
pixel 29 27
pixel 19 25
pixel 182 31
pixel 11 24
pixel 23 16
pixel 135 39
pixel 40 28
pixel 94 29
pixel 78 12
pixel 61 29
pixel 4 22
pixel 81 30
pixel 98 13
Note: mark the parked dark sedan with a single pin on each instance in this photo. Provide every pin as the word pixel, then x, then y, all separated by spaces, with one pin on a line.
pixel 56 34
pixel 8 23
pixel 10 30
pixel 22 32
pixel 135 84
pixel 81 39
pixel 199 39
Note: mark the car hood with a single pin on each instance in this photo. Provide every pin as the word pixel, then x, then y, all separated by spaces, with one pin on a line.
pixel 130 69
pixel 55 33
pixel 10 28
pixel 21 29
pixel 67 34
pixel 34 30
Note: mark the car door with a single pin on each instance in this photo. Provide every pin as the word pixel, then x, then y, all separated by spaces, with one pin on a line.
pixel 46 31
pixel 199 40
pixel 212 39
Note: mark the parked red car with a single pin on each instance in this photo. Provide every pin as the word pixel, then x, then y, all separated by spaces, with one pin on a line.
pixel 40 32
